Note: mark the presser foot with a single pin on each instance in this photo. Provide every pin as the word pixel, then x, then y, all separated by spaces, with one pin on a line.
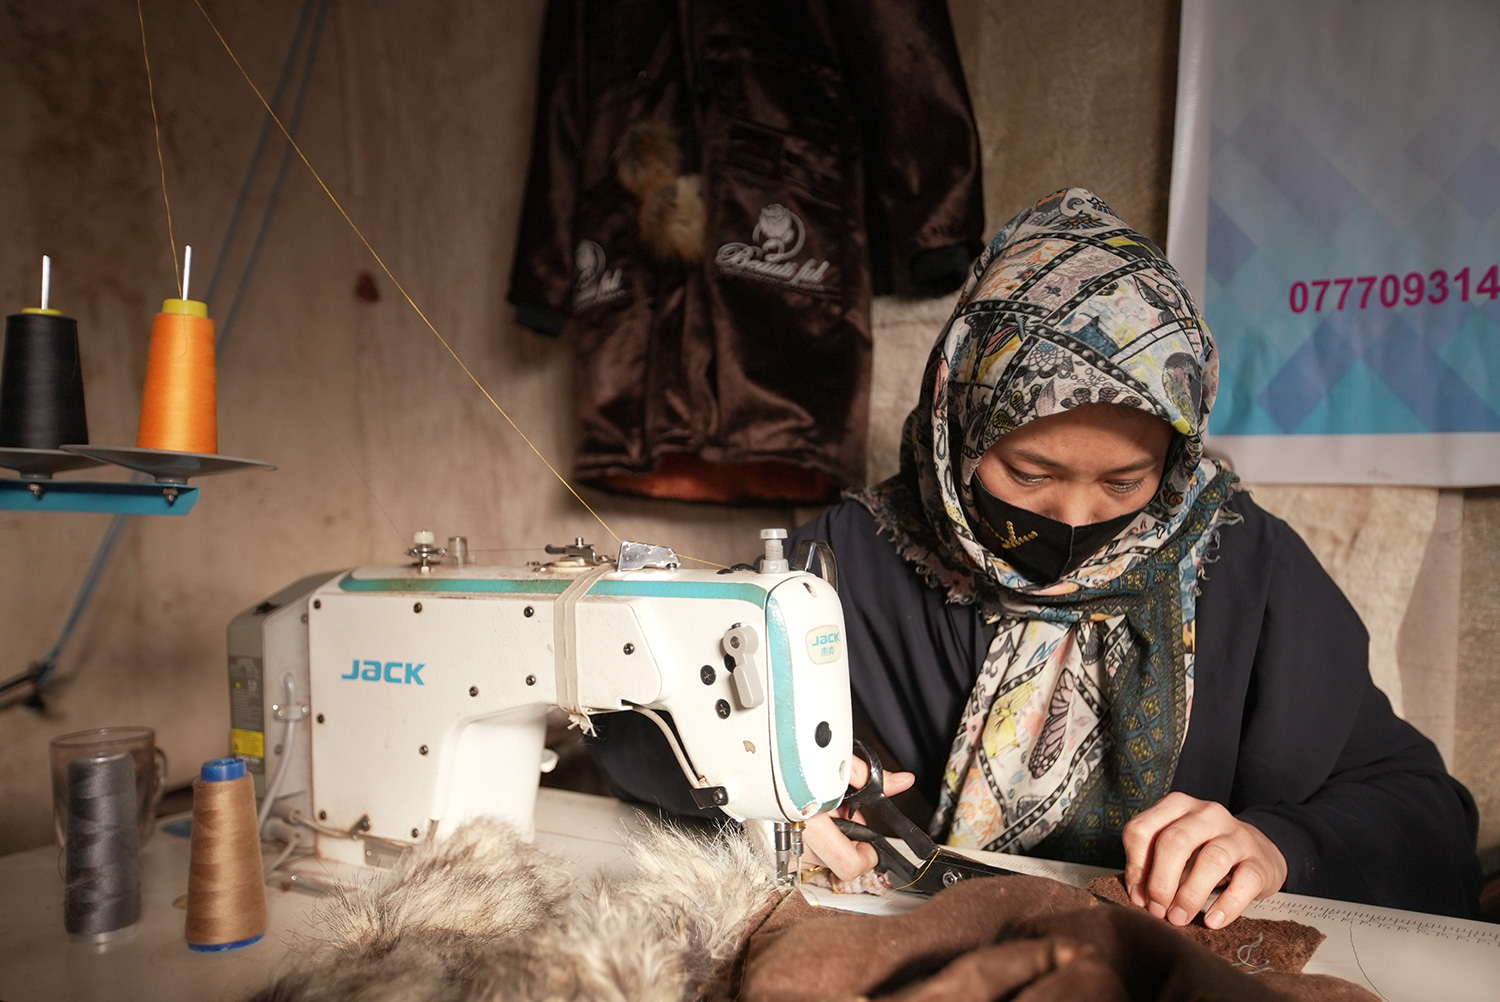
pixel 789 853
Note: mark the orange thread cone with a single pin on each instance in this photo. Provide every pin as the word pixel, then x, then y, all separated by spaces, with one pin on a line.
pixel 179 406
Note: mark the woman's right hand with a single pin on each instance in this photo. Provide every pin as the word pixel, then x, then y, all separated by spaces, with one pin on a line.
pixel 823 843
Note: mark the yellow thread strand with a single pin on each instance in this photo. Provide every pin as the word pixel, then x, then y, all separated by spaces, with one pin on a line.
pixel 390 275
pixel 161 163
pixel 402 289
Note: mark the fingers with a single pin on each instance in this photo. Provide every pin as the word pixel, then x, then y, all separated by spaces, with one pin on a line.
pixel 1188 839
pixel 1245 886
pixel 1139 838
pixel 1180 849
pixel 859 771
pixel 1261 873
pixel 1210 866
pixel 894 782
pixel 825 844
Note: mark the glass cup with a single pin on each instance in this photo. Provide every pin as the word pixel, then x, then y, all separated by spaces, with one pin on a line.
pixel 150 770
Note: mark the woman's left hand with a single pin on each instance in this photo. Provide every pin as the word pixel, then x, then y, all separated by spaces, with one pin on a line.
pixel 1179 849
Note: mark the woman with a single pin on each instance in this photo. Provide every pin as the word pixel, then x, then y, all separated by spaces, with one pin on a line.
pixel 1086 643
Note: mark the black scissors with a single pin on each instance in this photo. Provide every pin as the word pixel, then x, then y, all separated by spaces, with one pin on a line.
pixel 936 867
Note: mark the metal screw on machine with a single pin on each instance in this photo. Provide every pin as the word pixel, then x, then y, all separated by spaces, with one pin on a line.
pixel 294 711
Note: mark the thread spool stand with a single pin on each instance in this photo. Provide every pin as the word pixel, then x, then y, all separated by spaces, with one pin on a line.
pixel 35 490
pixel 34 428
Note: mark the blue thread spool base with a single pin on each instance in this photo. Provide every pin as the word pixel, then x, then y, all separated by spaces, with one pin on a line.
pixel 221 947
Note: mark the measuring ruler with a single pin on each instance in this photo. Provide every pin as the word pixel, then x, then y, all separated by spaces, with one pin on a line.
pixel 1317 911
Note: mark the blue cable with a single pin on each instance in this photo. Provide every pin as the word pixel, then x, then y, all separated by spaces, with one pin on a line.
pixel 275 191
pixel 260 148
pixel 42 671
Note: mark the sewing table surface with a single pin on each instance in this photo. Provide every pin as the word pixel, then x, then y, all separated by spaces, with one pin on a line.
pixel 1399 955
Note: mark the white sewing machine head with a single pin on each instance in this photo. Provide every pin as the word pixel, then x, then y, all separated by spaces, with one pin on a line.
pixel 399 700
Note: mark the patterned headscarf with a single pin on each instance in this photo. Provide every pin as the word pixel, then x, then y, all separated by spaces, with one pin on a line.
pixel 1081 706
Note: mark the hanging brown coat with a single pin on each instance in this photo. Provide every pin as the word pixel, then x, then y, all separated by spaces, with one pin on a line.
pixel 716 190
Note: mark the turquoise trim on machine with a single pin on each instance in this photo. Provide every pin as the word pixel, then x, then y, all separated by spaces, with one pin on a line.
pixel 741 591
pixel 780 651
pixel 506 586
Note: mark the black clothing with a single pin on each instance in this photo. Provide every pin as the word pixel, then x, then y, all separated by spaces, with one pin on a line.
pixel 1287 730
pixel 838 158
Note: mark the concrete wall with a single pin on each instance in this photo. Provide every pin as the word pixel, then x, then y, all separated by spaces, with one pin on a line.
pixel 418 118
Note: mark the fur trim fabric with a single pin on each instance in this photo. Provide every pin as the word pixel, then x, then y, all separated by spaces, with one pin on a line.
pixel 648 164
pixel 484 916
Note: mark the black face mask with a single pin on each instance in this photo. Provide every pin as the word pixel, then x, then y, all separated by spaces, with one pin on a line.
pixel 1041 548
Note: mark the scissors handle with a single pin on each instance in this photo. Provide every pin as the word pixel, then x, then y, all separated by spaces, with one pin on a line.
pixel 877 807
pixel 891 862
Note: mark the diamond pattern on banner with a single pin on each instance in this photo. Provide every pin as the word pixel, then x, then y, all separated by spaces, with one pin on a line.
pixel 1354 212
pixel 1475 183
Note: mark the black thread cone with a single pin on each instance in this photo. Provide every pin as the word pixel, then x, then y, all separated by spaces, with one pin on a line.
pixel 41 384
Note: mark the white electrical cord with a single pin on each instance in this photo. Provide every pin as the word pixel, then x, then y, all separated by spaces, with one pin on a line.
pixel 293 841
pixel 286 754
pixel 696 780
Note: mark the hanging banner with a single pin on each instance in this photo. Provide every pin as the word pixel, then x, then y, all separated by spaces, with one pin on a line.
pixel 1336 207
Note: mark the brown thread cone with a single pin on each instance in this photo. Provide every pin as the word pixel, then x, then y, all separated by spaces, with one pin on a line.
pixel 226 892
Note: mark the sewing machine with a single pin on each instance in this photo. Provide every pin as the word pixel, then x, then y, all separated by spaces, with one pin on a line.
pixel 390 703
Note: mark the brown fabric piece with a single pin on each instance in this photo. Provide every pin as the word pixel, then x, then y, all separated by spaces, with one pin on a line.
pixel 1020 937
pixel 1258 945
